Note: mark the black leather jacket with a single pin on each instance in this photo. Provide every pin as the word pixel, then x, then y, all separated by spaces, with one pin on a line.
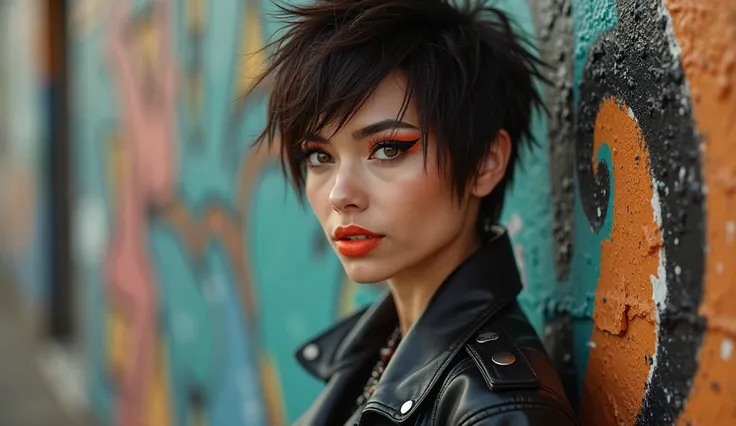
pixel 471 359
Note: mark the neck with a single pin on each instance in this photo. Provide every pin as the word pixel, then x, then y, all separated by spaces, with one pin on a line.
pixel 413 288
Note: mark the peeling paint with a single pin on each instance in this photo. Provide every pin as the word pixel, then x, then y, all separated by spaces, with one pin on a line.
pixel 726 349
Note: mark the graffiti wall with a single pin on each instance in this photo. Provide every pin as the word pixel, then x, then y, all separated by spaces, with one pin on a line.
pixel 641 111
pixel 623 219
pixel 640 224
pixel 181 228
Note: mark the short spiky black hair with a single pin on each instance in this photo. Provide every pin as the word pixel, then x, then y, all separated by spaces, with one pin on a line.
pixel 466 70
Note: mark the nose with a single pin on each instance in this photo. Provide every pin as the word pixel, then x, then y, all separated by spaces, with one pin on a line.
pixel 348 194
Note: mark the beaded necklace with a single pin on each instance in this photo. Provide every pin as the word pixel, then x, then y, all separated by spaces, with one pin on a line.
pixel 385 354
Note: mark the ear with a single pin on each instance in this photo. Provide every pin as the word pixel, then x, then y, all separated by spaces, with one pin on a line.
pixel 493 167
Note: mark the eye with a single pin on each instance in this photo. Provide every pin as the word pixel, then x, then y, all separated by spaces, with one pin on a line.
pixel 386 153
pixel 318 158
pixel 391 150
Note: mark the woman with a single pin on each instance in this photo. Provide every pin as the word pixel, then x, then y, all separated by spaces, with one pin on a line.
pixel 402 122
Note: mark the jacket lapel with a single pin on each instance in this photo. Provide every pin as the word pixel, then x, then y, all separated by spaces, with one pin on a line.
pixel 343 352
pixel 484 284
pixel 352 340
pixel 330 400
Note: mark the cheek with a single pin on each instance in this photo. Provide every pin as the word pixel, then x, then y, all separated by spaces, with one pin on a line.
pixel 414 194
pixel 318 194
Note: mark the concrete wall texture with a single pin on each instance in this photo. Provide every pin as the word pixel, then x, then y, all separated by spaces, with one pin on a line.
pixel 201 273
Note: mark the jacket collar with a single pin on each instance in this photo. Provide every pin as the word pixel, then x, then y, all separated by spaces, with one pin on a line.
pixel 481 286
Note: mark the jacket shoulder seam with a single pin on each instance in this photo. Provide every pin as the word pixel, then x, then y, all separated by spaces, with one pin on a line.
pixel 554 393
pixel 475 417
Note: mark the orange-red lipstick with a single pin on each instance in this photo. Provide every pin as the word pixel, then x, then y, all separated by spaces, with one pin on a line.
pixel 355 241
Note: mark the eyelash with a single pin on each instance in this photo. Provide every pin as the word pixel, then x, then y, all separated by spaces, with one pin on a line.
pixel 403 146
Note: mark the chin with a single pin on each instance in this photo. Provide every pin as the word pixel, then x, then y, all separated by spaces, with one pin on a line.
pixel 365 272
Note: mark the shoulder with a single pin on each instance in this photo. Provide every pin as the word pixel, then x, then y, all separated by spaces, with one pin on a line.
pixel 502 376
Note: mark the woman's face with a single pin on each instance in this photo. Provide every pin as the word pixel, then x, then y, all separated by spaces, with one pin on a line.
pixel 383 212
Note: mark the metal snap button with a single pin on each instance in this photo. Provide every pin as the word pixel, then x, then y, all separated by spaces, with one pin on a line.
pixel 407 406
pixel 488 336
pixel 310 352
pixel 503 358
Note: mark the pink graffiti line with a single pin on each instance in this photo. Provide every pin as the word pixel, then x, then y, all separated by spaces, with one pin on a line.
pixel 148 178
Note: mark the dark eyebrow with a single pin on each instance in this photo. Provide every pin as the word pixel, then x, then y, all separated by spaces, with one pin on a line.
pixel 366 131
pixel 381 126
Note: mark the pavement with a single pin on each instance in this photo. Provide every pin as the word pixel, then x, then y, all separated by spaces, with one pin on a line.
pixel 26 395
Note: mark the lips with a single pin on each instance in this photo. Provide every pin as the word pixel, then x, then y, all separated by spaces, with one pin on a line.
pixel 355 241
